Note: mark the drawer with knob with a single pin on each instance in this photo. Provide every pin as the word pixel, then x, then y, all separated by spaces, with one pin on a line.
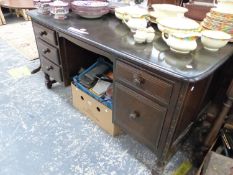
pixel 138 116
pixel 48 51
pixel 45 34
pixel 51 69
pixel 146 83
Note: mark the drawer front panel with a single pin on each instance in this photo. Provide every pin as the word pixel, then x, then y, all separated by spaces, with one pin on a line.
pixel 51 69
pixel 45 34
pixel 48 51
pixel 147 83
pixel 138 115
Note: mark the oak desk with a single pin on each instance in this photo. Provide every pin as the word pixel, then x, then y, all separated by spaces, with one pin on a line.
pixel 157 93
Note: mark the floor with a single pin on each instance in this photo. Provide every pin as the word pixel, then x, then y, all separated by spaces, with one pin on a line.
pixel 42 134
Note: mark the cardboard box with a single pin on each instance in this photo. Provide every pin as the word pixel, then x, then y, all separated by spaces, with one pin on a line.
pixel 217 164
pixel 95 110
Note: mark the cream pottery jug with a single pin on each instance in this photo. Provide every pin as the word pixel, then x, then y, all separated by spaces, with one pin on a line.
pixel 181 42
pixel 144 35
pixel 136 23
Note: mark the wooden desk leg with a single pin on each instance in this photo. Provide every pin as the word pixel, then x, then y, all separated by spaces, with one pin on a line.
pixel 17 12
pixel 24 14
pixel 29 18
pixel 2 18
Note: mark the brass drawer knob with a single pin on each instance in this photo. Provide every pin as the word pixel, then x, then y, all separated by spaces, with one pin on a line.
pixel 42 33
pixel 45 51
pixel 138 80
pixel 48 68
pixel 133 115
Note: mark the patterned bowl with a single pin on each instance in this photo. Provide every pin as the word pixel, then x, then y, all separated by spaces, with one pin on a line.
pixel 90 9
pixel 91 14
pixel 89 5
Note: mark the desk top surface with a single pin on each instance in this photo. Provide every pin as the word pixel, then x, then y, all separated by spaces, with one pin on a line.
pixel 111 35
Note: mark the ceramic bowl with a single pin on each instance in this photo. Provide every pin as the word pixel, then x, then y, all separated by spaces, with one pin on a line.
pixel 91 15
pixel 178 24
pixel 90 9
pixel 144 35
pixel 89 5
pixel 69 2
pixel 181 42
pixel 224 4
pixel 135 23
pixel 137 12
pixel 139 38
pixel 214 40
pixel 168 10
pixel 120 12
pixel 128 12
pixel 59 8
pixel 42 6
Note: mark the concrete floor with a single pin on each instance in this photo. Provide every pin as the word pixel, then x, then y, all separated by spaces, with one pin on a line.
pixel 42 134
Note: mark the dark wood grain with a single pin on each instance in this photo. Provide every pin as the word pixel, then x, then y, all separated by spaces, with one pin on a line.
pixel 148 84
pixel 51 69
pixel 45 34
pixel 139 116
pixel 156 97
pixel 48 51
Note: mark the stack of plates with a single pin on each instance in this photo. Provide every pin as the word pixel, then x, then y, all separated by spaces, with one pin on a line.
pixel 219 19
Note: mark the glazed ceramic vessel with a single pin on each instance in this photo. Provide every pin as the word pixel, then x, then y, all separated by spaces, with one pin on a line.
pixel 178 24
pixel 145 35
pixel 60 9
pixel 214 40
pixel 168 10
pixel 136 23
pixel 128 12
pixel 225 4
pixel 181 42
pixel 90 9
pixel 42 6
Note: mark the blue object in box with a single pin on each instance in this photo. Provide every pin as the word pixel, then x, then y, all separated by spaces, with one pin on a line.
pixel 76 80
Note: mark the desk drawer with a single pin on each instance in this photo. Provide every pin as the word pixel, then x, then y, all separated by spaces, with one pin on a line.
pixel 45 33
pixel 146 83
pixel 138 115
pixel 51 69
pixel 48 51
